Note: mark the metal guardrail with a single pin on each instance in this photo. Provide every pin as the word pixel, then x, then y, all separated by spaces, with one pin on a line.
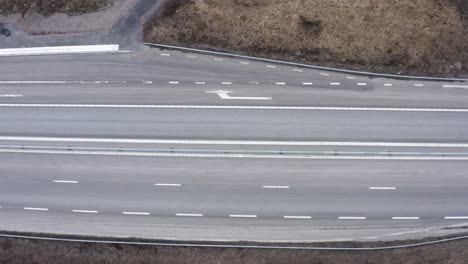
pixel 369 74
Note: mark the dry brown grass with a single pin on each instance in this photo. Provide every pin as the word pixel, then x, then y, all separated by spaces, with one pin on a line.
pixel 413 36
pixel 49 7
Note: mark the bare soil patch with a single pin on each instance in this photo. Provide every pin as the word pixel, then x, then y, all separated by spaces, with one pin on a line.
pixel 49 7
pixel 424 37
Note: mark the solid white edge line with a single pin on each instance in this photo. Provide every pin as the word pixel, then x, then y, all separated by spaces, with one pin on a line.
pixel 64 181
pixel 456 217
pixel 242 216
pixel 135 213
pixel 85 211
pixel 247 107
pixel 455 86
pixel 352 217
pixel 405 218
pixel 297 217
pixel 168 184
pixel 36 209
pixel 189 215
pixel 275 187
pixel 382 188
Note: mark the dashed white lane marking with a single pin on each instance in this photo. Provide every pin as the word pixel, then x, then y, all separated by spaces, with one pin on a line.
pixel 352 218
pixel 382 188
pixel 350 77
pixel 189 215
pixel 242 216
pixel 165 54
pixel 226 83
pixel 405 218
pixel 168 184
pixel 173 82
pixel 247 107
pixel 85 211
pixel 36 209
pixel 297 217
pixel 456 86
pixel 64 181
pixel 298 70
pixel 388 84
pixel 218 59
pixel 11 95
pixel 244 62
pixel 362 84
pixel 335 83
pixel 254 82
pixel 271 66
pixel 148 82
pixel 307 83
pixel 280 83
pixel 135 213
pixel 456 217
pixel 199 82
pixel 275 187
pixel 324 74
pixel 419 85
pixel 192 56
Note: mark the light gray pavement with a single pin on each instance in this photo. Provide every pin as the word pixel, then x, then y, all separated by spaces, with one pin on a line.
pixel 215 188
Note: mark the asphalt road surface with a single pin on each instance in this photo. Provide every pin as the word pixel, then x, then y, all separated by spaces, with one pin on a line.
pixel 163 144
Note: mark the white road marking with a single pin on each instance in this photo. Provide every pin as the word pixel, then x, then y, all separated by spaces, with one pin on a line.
pixel 11 95
pixel 388 84
pixel 405 218
pixel 280 83
pixel 242 216
pixel 226 83
pixel 191 56
pixel 254 82
pixel 419 85
pixel 36 209
pixel 168 184
pixel 297 217
pixel 335 83
pixel 350 77
pixel 271 66
pixel 456 86
pixel 362 84
pixel 199 82
pixel 298 70
pixel 307 83
pixel 165 54
pixel 382 188
pixel 85 211
pixel 275 187
pixel 173 82
pixel 148 82
pixel 63 181
pixel 225 96
pixel 218 59
pixel 456 217
pixel 135 213
pixel 352 218
pixel 190 215
pixel 237 142
pixel 244 62
pixel 324 74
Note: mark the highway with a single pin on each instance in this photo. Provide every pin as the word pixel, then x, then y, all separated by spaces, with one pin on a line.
pixel 171 145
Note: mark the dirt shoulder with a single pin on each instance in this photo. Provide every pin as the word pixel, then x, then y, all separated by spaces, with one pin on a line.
pixel 422 37
pixel 16 251
pixel 47 8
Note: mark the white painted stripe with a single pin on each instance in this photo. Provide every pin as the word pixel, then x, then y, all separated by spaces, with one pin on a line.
pixel 405 218
pixel 165 54
pixel 335 83
pixel 168 184
pixel 297 217
pixel 298 70
pixel 244 62
pixel 199 82
pixel 350 77
pixel 85 211
pixel 226 83
pixel 324 74
pixel 195 215
pixel 275 187
pixel 36 209
pixel 382 188
pixel 173 82
pixel 307 83
pixel 59 50
pixel 148 82
pixel 242 216
pixel 37 82
pixel 218 59
pixel 280 83
pixel 191 56
pixel 419 85
pixel 254 82
pixel 11 95
pixel 251 156
pixel 456 86
pixel 135 213
pixel 63 181
pixel 362 84
pixel 237 142
pixel 456 217
pixel 247 107
pixel 352 218
pixel 271 66
pixel 388 84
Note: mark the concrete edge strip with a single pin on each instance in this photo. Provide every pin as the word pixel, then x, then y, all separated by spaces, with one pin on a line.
pixel 370 74
pixel 58 50
pixel 201 245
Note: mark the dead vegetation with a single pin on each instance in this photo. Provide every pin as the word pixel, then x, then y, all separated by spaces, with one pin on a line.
pixel 410 36
pixel 49 7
